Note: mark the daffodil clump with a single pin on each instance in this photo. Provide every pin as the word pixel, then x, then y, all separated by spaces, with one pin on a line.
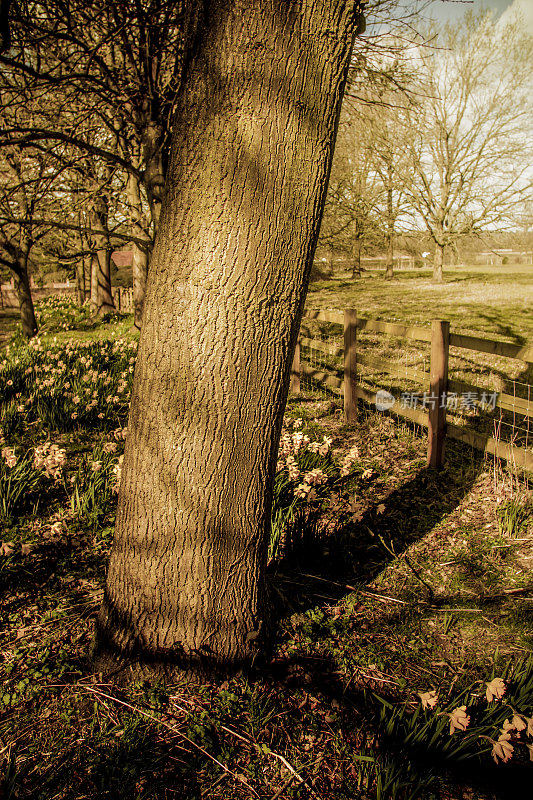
pixel 65 386
pixel 307 478
pixel 62 312
pixel 514 732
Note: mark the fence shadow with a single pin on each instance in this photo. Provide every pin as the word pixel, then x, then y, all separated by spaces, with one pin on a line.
pixel 332 565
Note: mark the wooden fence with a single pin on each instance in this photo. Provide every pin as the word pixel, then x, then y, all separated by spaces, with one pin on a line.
pixel 435 394
pixel 123 298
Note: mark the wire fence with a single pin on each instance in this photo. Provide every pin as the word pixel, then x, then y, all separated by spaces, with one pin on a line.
pixel 488 394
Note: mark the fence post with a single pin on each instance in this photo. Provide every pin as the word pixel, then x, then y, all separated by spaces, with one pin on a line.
pixel 295 369
pixel 350 365
pixel 440 343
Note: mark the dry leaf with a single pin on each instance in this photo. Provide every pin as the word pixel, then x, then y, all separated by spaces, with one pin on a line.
pixel 6 548
pixel 429 699
pixel 495 689
pixel 381 508
pixel 459 720
pixel 26 549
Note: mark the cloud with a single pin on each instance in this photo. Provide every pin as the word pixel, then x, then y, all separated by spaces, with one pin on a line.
pixel 522 9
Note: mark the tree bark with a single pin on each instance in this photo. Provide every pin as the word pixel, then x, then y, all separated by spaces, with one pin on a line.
pixel 80 280
pixel 253 137
pixel 94 281
pixel 437 263
pixel 389 270
pixel 27 311
pixel 101 293
pixel 140 271
pixel 154 177
pixel 104 297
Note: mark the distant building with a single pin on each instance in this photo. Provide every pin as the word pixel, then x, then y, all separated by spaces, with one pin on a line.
pixel 122 258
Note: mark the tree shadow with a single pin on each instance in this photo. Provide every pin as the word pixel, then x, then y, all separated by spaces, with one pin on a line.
pixel 412 760
pixel 503 327
pixel 357 551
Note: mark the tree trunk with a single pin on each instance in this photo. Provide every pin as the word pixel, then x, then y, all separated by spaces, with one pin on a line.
pixel 94 281
pixel 437 262
pixel 389 271
pixel 154 178
pixel 27 312
pixel 356 258
pixel 140 255
pixel 80 280
pixel 101 293
pixel 140 271
pixel 253 138
pixel 104 297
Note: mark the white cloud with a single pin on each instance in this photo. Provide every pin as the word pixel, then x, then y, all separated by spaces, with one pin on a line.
pixel 524 10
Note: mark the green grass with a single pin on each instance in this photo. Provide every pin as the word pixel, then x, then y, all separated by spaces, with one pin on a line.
pixel 495 301
pixel 9 319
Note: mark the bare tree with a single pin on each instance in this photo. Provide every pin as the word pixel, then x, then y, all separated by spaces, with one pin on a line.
pixel 385 127
pixel 469 136
pixel 119 65
pixel 21 178
pixel 349 220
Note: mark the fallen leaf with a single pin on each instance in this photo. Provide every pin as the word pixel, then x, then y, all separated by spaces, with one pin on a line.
pixel 381 508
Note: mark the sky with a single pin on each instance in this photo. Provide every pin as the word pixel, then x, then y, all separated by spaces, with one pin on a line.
pixel 449 10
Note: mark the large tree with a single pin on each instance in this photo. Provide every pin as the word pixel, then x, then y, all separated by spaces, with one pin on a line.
pixel 252 141
pixel 354 189
pixel 112 69
pixel 470 134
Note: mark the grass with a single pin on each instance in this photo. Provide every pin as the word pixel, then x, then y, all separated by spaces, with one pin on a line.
pixel 411 581
pixel 495 301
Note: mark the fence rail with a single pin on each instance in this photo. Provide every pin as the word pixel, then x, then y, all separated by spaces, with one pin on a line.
pixel 437 381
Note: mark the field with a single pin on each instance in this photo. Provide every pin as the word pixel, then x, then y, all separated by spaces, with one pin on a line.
pixel 401 594
pixel 495 301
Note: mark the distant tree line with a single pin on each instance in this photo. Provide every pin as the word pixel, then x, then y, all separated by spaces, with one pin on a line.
pixel 433 134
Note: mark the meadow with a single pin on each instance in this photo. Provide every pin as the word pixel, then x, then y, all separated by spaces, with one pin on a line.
pixel 494 301
pixel 401 666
